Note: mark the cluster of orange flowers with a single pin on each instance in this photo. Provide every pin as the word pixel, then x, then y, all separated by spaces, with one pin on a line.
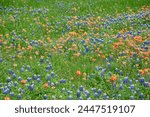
pixel 144 71
pixel 117 44
pixel 113 78
pixel 138 39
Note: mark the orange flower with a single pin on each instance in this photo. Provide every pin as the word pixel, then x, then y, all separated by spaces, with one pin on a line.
pixel 77 54
pixel 113 78
pixel 141 72
pixel 36 52
pixel 78 73
pixel 45 85
pixel 29 47
pixel 1 41
pixel 138 38
pixel 6 98
pixel 23 82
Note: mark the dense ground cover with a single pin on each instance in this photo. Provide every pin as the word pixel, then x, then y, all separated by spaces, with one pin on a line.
pixel 84 49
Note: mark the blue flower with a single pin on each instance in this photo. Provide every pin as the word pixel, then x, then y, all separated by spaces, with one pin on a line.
pixel 96 95
pixel 131 97
pixel 1 60
pixel 45 97
pixel 39 80
pixel 104 96
pixel 19 96
pixel 70 97
pixel 78 94
pixel 48 77
pixel 125 80
pixel 87 94
pixel 132 87
pixel 19 78
pixel 34 76
pixel 12 94
pixel 142 96
pixel 99 91
pixel 120 87
pixel 29 79
pixel 146 84
pixel 52 74
pixel 63 90
pixel 81 88
pixel 8 79
pixel 15 83
pixel 142 80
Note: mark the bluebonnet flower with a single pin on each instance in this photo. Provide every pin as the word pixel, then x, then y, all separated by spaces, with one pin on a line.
pixel 48 77
pixel 14 75
pixel 125 80
pixel 116 70
pixel 81 88
pixel 31 87
pixel 22 90
pixel 28 67
pixel 69 92
pixel 104 96
pixel 1 60
pixel 19 96
pixel 12 94
pixel 49 67
pixel 39 80
pixel 49 83
pixel 70 97
pixel 8 79
pixel 10 71
pixel 45 97
pixel 87 94
pixel 52 74
pixel 131 97
pixel 6 91
pixel 78 94
pixel 15 83
pixel 22 69
pixel 111 58
pixel 146 84
pixel 132 86
pixel 19 78
pixel 141 96
pixel 99 91
pixel 142 80
pixel 108 65
pixel 121 73
pixel 93 89
pixel 72 86
pixel 38 76
pixel 62 81
pixel 130 81
pixel 29 79
pixel 63 90
pixel 119 96
pixel 35 77
pixel 96 95
pixel 89 98
pixel 120 87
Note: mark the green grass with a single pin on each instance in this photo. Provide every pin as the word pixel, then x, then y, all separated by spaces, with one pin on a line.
pixel 40 20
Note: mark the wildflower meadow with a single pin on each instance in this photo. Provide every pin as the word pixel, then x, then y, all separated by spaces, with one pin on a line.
pixel 74 49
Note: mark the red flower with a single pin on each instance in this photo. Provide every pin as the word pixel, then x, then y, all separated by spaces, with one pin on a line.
pixel 78 73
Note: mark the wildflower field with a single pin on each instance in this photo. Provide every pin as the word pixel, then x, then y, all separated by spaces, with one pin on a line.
pixel 75 49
